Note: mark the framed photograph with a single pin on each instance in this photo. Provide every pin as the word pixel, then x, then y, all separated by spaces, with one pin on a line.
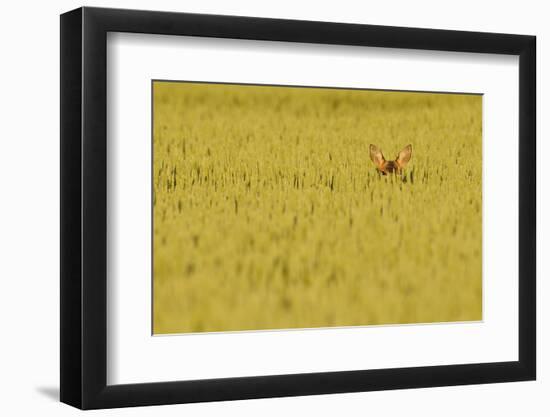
pixel 259 208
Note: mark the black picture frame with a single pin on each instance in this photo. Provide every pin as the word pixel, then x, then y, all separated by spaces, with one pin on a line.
pixel 84 207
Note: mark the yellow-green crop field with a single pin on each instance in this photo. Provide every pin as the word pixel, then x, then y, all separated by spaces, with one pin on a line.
pixel 268 212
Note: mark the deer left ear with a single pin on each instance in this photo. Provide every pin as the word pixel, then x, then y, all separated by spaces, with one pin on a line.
pixel 404 156
pixel 376 156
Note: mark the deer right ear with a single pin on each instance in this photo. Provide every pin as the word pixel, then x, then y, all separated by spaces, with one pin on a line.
pixel 376 156
pixel 404 156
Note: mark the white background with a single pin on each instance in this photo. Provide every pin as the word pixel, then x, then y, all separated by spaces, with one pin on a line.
pixel 29 225
pixel 134 356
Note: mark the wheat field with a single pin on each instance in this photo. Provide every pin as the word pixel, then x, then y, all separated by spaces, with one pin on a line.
pixel 269 214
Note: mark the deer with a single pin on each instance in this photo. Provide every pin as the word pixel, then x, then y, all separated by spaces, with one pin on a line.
pixel 390 167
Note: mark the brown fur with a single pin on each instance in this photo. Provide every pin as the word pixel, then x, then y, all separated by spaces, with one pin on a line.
pixel 390 167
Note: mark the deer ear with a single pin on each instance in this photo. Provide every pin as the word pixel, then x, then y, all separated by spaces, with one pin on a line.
pixel 376 156
pixel 404 156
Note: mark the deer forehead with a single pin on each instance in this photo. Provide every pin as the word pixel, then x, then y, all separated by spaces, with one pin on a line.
pixel 391 166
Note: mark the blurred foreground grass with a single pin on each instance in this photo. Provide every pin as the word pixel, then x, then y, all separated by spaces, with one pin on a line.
pixel 268 212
